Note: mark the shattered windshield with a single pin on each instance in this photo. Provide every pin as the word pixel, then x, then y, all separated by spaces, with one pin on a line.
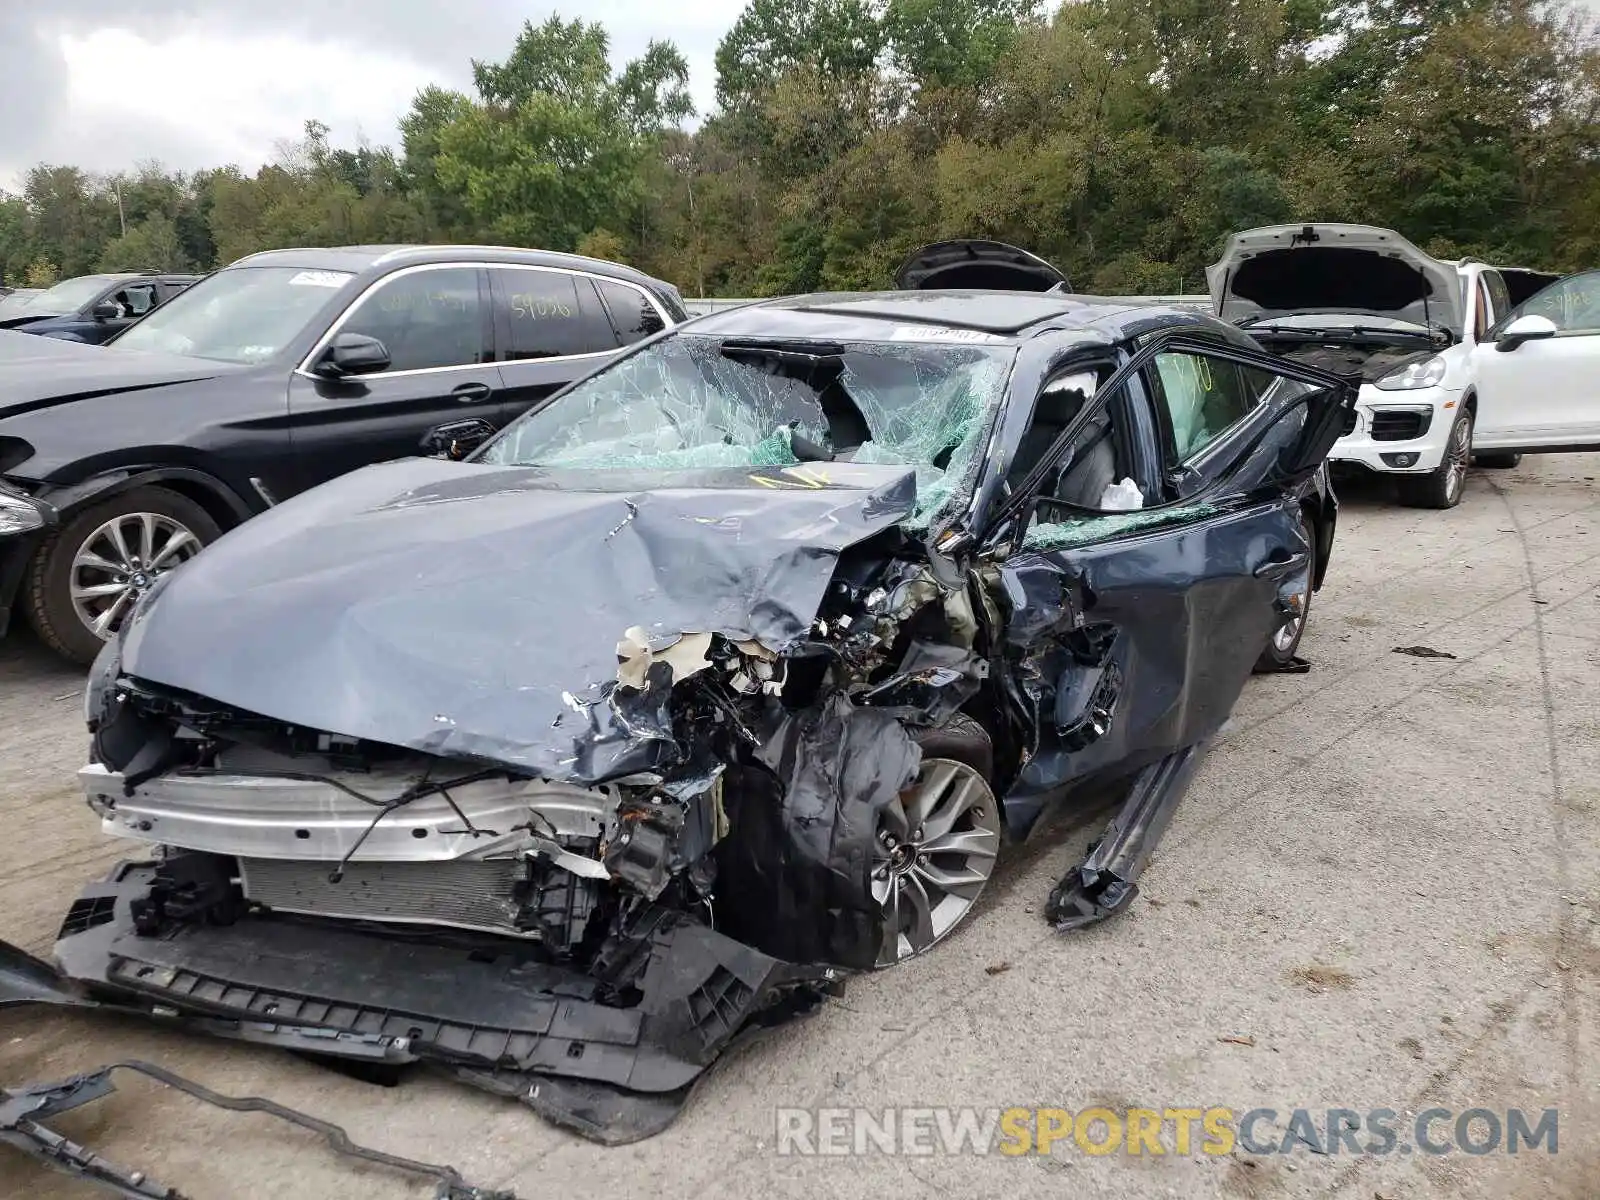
pixel 692 402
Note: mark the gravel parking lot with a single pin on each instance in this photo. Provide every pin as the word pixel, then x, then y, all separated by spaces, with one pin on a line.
pixel 1382 892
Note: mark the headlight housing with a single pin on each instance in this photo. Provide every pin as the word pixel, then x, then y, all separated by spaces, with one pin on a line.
pixel 21 513
pixel 1427 373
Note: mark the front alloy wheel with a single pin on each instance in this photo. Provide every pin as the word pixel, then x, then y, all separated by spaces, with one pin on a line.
pixel 117 563
pixel 1443 487
pixel 86 577
pixel 934 854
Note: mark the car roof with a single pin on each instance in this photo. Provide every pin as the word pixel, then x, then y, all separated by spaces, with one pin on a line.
pixel 1003 315
pixel 358 259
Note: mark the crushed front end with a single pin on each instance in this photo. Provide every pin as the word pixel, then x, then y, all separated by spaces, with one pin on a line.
pixel 684 853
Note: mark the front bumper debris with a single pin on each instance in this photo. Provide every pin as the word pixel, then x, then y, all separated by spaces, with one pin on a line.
pixel 24 1110
pixel 615 1064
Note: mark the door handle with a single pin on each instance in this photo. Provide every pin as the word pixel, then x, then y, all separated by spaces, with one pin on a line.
pixel 1281 568
pixel 472 393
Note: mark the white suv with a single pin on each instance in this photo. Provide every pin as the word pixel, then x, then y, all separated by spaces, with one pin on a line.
pixel 1427 336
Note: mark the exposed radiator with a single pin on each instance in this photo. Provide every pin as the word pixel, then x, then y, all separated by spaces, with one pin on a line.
pixel 464 894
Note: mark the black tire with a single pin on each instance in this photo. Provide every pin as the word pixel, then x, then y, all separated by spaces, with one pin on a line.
pixel 1444 487
pixel 1277 657
pixel 963 739
pixel 1499 461
pixel 47 587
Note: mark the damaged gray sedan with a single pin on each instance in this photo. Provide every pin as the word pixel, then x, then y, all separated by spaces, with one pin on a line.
pixel 566 761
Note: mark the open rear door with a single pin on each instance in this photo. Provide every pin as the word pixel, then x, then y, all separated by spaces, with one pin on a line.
pixel 985 266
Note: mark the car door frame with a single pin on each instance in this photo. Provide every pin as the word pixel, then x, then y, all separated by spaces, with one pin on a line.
pixel 1494 400
pixel 1117 679
pixel 303 373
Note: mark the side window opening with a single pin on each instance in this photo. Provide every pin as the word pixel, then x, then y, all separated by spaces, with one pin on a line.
pixel 1572 303
pixel 135 300
pixel 1093 470
pixel 550 314
pixel 1499 300
pixel 634 317
pixel 425 319
pixel 1203 397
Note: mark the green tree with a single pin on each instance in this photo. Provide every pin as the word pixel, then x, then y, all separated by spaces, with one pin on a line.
pixel 953 43
pixel 837 39
pixel 555 148
pixel 151 245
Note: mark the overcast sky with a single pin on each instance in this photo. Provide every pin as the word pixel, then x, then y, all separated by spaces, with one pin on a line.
pixel 197 83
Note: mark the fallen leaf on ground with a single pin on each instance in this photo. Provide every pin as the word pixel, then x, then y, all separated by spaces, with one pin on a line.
pixel 1423 652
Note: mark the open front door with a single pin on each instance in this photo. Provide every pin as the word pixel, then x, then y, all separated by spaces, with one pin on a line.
pixel 1139 628
pixel 1538 375
pixel 1134 631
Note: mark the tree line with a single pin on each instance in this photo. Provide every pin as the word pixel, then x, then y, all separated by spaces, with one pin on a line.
pixel 1122 139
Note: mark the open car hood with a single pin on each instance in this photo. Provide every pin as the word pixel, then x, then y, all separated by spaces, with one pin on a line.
pixel 989 266
pixel 475 611
pixel 1282 270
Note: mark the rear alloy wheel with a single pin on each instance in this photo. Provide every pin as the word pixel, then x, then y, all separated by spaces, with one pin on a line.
pixel 87 576
pixel 1442 488
pixel 934 855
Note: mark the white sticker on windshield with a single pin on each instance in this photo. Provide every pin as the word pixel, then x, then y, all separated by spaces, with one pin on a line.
pixel 939 333
pixel 327 279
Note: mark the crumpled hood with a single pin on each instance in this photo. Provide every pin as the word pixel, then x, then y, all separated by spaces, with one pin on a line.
pixel 475 610
pixel 39 372
pixel 1333 268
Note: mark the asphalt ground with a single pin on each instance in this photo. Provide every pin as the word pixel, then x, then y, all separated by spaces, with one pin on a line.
pixel 1381 893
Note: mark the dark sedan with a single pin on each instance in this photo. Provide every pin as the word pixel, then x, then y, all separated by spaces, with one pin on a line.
pixel 266 378
pixel 723 674
pixel 94 308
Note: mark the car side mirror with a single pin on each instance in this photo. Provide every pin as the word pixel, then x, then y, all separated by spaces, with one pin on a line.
pixel 456 439
pixel 1528 328
pixel 352 354
pixel 106 310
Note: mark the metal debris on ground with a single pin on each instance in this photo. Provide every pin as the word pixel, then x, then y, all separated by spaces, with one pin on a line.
pixel 23 1109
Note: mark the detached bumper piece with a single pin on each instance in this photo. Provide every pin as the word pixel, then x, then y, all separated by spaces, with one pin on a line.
pixel 613 1061
pixel 1106 882
pixel 23 1111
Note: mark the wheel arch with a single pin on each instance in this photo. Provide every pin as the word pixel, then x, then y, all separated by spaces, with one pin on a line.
pixel 221 503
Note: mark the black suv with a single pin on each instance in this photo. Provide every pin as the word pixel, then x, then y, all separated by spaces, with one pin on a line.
pixel 95 308
pixel 266 378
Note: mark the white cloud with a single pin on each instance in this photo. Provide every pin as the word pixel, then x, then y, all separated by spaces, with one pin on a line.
pixel 198 83
pixel 208 98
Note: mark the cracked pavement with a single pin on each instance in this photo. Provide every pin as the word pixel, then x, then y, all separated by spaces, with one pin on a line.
pixel 1385 875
